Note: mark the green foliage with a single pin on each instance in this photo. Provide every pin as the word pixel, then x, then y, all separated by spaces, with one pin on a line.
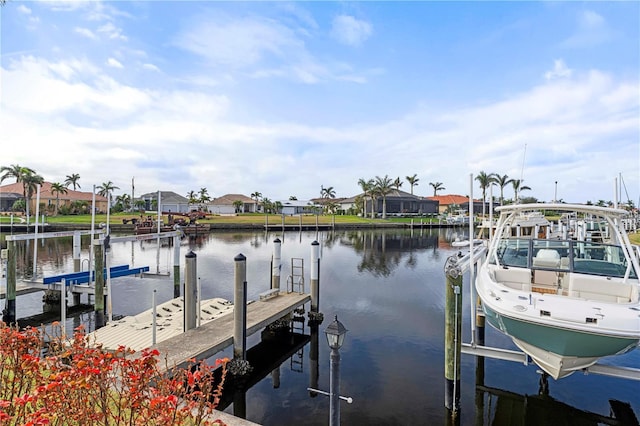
pixel 77 383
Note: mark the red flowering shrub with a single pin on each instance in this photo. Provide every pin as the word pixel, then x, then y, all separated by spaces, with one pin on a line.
pixel 78 384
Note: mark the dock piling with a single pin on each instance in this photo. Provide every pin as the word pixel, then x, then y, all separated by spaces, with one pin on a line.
pixel 240 308
pixel 277 264
pixel 9 312
pixel 453 334
pixel 315 276
pixel 99 302
pixel 190 291
pixel 176 266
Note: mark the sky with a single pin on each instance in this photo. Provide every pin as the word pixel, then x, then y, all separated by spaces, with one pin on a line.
pixel 285 98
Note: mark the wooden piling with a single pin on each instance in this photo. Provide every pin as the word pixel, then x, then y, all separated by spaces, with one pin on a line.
pixel 240 308
pixel 9 313
pixel 453 334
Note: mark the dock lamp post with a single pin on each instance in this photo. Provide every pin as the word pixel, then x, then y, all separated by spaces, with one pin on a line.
pixel 335 337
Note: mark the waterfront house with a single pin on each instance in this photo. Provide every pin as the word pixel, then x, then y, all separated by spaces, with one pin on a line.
pixel 452 202
pixel 9 194
pixel 295 207
pixel 225 204
pixel 169 202
pixel 401 203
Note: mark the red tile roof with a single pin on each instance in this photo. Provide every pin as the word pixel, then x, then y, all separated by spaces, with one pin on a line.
pixel 446 200
pixel 45 193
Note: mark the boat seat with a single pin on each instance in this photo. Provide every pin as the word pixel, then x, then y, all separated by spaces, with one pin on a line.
pixel 547 258
pixel 516 278
pixel 595 288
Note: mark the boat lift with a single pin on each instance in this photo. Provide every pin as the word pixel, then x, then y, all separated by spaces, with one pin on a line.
pixel 459 265
pixel 455 267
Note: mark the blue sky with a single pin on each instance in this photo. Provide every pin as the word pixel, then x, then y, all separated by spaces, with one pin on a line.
pixel 285 97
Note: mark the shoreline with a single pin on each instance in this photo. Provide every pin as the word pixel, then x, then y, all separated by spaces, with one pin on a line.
pixel 212 227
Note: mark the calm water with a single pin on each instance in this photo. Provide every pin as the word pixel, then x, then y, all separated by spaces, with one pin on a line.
pixel 387 288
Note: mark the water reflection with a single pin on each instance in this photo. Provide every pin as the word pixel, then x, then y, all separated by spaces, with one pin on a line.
pixel 387 286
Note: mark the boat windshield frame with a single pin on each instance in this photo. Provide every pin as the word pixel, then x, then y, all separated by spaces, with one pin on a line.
pixel 568 256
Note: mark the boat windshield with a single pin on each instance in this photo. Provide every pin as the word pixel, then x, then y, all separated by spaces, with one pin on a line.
pixel 585 257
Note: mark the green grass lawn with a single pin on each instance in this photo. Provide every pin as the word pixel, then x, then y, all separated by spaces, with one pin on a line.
pixel 244 218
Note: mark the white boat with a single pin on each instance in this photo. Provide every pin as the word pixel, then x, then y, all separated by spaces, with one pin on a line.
pixel 460 217
pixel 567 299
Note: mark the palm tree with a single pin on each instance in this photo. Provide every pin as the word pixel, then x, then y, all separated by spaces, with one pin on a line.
pixel 204 195
pixel 397 183
pixel 367 187
pixel 437 186
pixel 106 188
pixel 257 196
pixel 19 173
pixel 485 182
pixel 72 179
pixel 58 188
pixel 192 196
pixel 518 188
pixel 266 204
pixel 383 187
pixel 237 204
pixel 502 181
pixel 30 182
pixel 327 192
pixel 413 181
pixel 124 201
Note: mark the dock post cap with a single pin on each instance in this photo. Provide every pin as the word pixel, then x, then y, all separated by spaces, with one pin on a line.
pixel 240 257
pixel 277 240
pixel 190 254
pixel 315 243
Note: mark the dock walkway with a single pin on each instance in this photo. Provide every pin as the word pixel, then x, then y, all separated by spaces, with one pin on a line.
pixel 205 341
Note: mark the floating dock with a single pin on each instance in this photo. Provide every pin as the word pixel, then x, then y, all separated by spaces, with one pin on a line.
pixel 136 332
pixel 214 334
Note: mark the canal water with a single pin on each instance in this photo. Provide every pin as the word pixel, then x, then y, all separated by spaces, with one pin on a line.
pixel 387 288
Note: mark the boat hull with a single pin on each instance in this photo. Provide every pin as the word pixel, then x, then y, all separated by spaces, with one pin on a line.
pixel 559 351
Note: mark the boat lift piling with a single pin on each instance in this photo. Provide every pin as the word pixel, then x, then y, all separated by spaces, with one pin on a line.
pixel 190 291
pixel 315 277
pixel 276 264
pixel 240 308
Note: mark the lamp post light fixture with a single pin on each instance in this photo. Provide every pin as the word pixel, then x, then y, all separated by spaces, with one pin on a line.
pixel 335 338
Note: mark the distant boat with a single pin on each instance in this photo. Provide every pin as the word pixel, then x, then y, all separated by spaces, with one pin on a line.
pixel 149 226
pixel 460 217
pixel 465 243
pixel 567 299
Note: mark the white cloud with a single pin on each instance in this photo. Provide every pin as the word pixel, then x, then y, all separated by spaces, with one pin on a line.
pixel 23 9
pixel 239 42
pixel 85 32
pixel 592 30
pixel 104 129
pixel 559 70
pixel 261 48
pixel 114 63
pixel 111 31
pixel 151 67
pixel 350 31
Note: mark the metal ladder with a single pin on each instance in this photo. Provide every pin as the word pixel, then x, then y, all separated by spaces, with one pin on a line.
pixel 295 281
